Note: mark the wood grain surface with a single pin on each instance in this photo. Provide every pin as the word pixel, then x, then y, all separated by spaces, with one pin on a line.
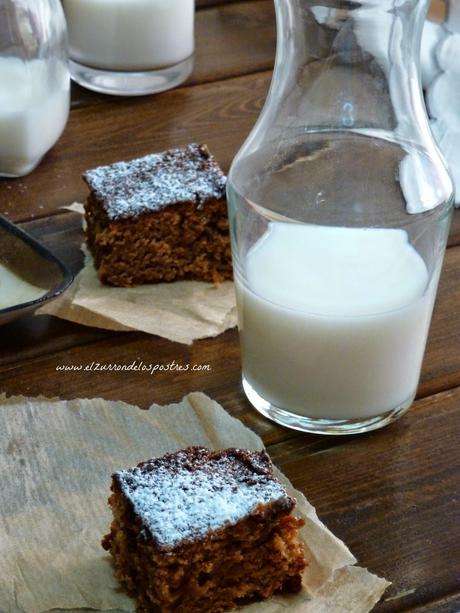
pixel 394 491
pixel 220 114
pixel 391 495
pixel 200 4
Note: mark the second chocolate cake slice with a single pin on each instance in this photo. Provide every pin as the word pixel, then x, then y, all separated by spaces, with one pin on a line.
pixel 159 218
pixel 199 531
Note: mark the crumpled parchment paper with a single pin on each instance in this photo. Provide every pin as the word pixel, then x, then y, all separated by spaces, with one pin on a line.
pixel 57 460
pixel 182 311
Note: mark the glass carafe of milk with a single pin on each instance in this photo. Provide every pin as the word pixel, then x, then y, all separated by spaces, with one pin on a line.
pixel 340 206
pixel 34 82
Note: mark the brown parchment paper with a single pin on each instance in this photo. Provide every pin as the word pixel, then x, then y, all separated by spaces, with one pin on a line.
pixel 182 311
pixel 57 459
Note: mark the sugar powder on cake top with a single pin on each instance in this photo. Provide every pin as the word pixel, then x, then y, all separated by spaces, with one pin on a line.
pixel 155 181
pixel 193 492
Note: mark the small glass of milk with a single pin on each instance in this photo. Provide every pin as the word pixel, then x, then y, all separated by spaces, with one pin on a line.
pixel 130 47
pixel 34 82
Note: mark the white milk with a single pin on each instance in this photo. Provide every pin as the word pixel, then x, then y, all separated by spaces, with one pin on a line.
pixel 32 117
pixel 129 35
pixel 14 290
pixel 336 320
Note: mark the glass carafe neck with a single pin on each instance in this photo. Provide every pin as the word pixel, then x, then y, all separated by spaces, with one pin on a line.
pixel 348 73
pixel 350 65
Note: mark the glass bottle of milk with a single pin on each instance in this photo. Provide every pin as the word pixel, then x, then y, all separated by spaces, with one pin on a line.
pixel 34 82
pixel 340 207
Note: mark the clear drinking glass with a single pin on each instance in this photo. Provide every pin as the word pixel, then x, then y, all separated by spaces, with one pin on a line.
pixel 340 206
pixel 130 47
pixel 35 82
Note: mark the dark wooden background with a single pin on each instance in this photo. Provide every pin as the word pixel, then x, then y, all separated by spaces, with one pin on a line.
pixel 391 495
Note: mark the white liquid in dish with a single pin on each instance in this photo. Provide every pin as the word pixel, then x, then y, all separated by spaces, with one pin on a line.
pixel 32 117
pixel 14 290
pixel 130 35
pixel 335 322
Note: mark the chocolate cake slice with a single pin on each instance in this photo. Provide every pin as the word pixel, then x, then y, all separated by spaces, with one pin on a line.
pixel 203 531
pixel 159 218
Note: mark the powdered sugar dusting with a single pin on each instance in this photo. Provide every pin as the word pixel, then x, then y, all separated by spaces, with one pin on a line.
pixel 188 494
pixel 150 183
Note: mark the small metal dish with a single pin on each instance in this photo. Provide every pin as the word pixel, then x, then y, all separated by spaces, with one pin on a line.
pixel 30 261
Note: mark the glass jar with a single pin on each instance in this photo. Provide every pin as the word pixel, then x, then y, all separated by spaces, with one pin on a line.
pixel 130 47
pixel 35 82
pixel 339 206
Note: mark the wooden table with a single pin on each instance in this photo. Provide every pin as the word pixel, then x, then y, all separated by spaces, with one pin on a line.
pixel 391 495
